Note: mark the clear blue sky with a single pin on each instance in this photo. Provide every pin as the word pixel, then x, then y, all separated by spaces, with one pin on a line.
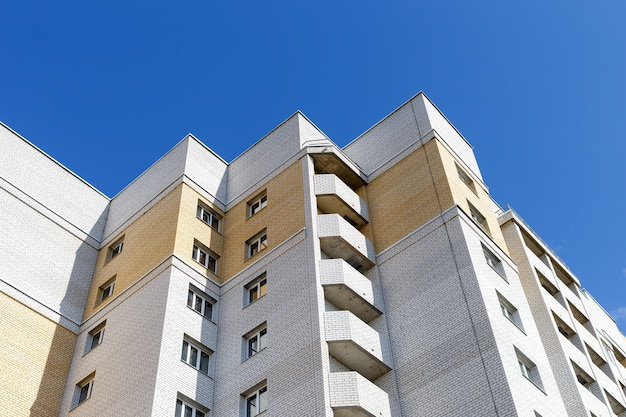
pixel 538 88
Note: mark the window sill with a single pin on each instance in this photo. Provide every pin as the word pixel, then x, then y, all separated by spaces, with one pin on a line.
pixel 204 317
pixel 520 328
pixel 535 384
pixel 196 369
pixel 92 349
pixel 208 225
pixel 79 404
pixel 252 302
pixel 252 356
pixel 502 275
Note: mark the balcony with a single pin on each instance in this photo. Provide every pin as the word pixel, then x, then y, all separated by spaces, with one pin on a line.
pixel 355 344
pixel 348 289
pixel 352 395
pixel 339 239
pixel 334 196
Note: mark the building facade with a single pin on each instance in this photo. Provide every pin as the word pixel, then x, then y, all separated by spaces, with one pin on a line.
pixel 300 279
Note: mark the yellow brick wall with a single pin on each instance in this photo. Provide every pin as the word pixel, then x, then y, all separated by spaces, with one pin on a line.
pixel 35 356
pixel 283 217
pixel 191 228
pixel 477 196
pixel 147 241
pixel 403 198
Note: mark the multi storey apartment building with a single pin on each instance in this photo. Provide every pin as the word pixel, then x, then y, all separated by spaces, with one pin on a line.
pixel 300 279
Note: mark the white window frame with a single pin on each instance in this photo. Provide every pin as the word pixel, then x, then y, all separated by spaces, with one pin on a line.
pixel 493 261
pixel 198 302
pixel 257 204
pixel 208 216
pixel 256 402
pixel 84 389
pixel 257 244
pixel 528 369
pixel 115 248
pixel 95 337
pixel 256 340
pixel 478 217
pixel 204 257
pixel 182 406
pixel 256 289
pixel 510 311
pixel 192 354
pixel 465 178
pixel 105 291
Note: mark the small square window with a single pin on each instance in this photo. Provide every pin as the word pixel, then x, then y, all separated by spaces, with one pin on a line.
pixel 493 261
pixel 256 340
pixel 184 408
pixel 95 337
pixel 257 204
pixel 509 311
pixel 84 389
pixel 105 291
pixel 196 355
pixel 256 402
pixel 478 217
pixel 204 257
pixel 465 178
pixel 257 243
pixel 115 248
pixel 256 289
pixel 528 369
pixel 208 216
pixel 200 302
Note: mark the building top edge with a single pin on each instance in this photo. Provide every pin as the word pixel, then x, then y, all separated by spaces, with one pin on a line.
pixel 59 164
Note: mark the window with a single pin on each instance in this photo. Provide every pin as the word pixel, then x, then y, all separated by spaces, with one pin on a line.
pixel 617 407
pixel 256 402
pixel 256 340
pixel 200 302
pixel 83 389
pixel 105 290
pixel 185 409
pixel 257 203
pixel 563 327
pixel 528 369
pixel 205 258
pixel 257 243
pixel 546 284
pixel 196 356
pixel 509 311
pixel 94 338
pixel 493 261
pixel 116 248
pixel 465 178
pixel 582 377
pixel 256 289
pixel 478 217
pixel 208 216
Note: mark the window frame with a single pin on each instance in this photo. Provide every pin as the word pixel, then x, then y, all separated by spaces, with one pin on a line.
pixel 529 369
pixel 256 244
pixel 115 248
pixel 465 178
pixel 510 311
pixel 91 337
pixel 85 386
pixel 193 295
pixel 196 411
pixel 258 287
pixel 105 291
pixel 213 220
pixel 188 347
pixel 256 337
pixel 478 218
pixel 258 203
pixel 210 258
pixel 260 395
pixel 493 261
